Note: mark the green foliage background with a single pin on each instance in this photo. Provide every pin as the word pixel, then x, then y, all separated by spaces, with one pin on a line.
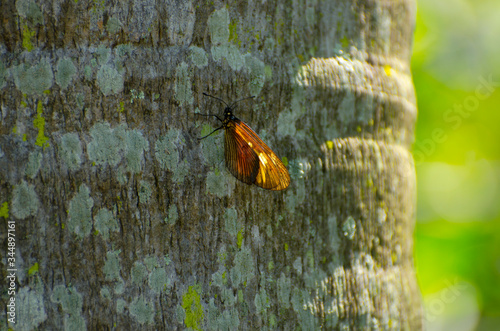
pixel 457 156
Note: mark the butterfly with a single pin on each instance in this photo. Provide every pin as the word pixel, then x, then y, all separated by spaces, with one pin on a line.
pixel 247 157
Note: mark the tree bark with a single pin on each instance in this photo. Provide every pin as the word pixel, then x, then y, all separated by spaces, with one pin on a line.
pixel 122 219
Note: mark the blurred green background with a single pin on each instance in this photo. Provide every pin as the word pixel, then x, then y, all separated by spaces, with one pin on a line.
pixel 456 71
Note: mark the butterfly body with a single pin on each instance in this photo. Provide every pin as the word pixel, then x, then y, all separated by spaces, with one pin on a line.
pixel 248 158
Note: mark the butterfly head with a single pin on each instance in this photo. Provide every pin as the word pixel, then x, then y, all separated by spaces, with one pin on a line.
pixel 228 113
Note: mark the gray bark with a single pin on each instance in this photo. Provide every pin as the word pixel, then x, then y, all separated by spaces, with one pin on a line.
pixel 124 220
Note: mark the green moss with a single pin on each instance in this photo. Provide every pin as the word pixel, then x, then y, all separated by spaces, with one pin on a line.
pixel 80 212
pixel 33 269
pixel 24 200
pixel 34 163
pixel 27 35
pixel 66 71
pixel 183 93
pixel 70 150
pixel 33 80
pixel 4 210
pixel 233 34
pixel 284 159
pixel 239 238
pixel 191 302
pixel 121 107
pixel 345 42
pixel 39 123
pixel 105 222
pixel 142 311
pixel 109 80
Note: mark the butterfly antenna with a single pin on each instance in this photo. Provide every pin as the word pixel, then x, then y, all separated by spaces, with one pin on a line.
pixel 231 106
pixel 208 95
pixel 211 133
pixel 217 117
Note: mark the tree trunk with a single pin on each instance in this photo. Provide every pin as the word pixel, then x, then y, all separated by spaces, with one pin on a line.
pixel 118 217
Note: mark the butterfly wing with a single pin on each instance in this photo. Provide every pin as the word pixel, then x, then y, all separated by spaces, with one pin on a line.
pixel 267 170
pixel 241 160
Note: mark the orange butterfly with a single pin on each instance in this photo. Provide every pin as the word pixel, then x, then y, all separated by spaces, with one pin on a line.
pixel 248 158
